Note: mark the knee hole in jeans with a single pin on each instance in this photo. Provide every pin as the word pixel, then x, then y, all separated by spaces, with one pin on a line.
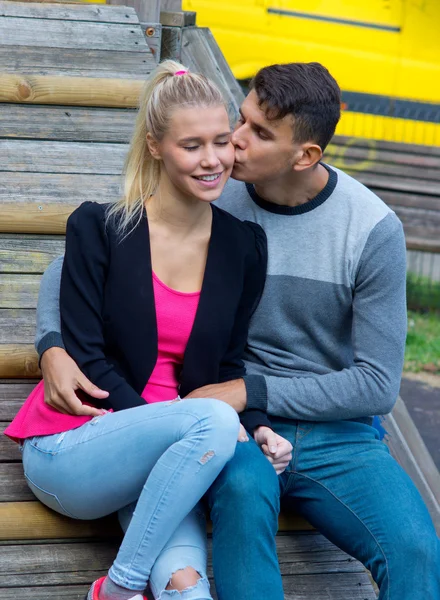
pixel 183 579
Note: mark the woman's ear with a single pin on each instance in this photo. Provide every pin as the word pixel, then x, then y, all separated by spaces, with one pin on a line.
pixel 153 147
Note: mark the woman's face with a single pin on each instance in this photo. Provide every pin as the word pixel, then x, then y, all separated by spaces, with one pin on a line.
pixel 196 152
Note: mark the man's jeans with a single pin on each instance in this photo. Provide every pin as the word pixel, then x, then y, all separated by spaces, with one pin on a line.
pixel 344 481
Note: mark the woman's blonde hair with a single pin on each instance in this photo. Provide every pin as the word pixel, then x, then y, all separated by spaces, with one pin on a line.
pixel 163 91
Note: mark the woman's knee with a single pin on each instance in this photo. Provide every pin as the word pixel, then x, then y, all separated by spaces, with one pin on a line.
pixel 187 582
pixel 220 420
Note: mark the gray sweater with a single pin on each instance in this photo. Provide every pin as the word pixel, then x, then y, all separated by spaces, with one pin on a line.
pixel 328 337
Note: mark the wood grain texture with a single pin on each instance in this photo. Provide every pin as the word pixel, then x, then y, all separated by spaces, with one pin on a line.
pixel 18 361
pixel 72 62
pixel 79 91
pixel 9 452
pixel 70 12
pixel 13 486
pixel 50 33
pixel 28 253
pixel 17 326
pixel 34 218
pixel 19 291
pixel 32 190
pixel 67 123
pixel 12 395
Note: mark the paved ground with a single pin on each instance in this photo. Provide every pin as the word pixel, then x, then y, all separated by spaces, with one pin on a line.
pixel 421 394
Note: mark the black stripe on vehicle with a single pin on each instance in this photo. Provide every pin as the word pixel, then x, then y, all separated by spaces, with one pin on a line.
pixel 388 106
pixel 303 15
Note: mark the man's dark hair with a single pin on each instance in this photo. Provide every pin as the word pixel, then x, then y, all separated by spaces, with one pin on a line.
pixel 306 91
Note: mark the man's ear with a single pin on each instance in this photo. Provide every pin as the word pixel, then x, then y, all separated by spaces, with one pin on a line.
pixel 153 147
pixel 309 156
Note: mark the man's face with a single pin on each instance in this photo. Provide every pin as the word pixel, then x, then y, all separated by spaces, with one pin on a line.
pixel 264 149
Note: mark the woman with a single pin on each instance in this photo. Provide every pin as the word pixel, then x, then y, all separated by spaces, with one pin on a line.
pixel 156 294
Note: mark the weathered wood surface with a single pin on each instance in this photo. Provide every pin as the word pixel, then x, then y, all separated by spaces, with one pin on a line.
pixel 66 123
pixel 62 157
pixel 12 395
pixel 13 486
pixel 36 189
pixel 100 13
pixel 51 33
pixel 146 10
pixel 19 291
pixel 9 452
pixel 28 253
pixel 79 91
pixel 76 63
pixel 330 574
pixel 17 326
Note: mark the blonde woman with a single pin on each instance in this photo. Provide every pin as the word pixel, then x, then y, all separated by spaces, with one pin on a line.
pixel 156 295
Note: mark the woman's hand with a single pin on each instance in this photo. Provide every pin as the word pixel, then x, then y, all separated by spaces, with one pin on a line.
pixel 277 449
pixel 242 434
pixel 62 379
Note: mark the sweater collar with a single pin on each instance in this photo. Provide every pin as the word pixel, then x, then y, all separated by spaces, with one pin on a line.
pixel 302 208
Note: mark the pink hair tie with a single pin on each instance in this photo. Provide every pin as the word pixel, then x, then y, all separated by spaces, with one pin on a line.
pixel 180 72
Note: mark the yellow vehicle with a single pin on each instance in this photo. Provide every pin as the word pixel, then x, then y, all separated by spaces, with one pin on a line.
pixel 385 55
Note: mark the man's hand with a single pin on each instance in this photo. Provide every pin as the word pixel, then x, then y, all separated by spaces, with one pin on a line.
pixel 232 392
pixel 277 449
pixel 62 378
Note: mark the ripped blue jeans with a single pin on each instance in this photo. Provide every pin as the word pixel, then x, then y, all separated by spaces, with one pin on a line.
pixel 162 457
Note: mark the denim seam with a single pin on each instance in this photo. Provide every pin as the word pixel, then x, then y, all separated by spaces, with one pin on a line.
pixel 50 494
pixel 356 517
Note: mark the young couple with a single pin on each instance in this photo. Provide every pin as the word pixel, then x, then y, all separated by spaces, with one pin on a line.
pixel 157 292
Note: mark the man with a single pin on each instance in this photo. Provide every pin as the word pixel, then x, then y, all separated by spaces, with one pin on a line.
pixel 325 352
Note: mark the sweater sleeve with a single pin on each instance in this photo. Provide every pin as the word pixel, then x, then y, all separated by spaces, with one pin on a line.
pixel 48 330
pixel 81 303
pixel 232 365
pixel 370 386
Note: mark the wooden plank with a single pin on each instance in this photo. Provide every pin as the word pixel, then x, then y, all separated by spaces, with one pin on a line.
pixel 28 253
pixel 414 243
pixel 66 123
pixel 17 326
pixel 76 63
pixel 18 361
pixel 101 13
pixel 62 157
pixel 34 521
pixel 411 200
pixel 419 224
pixel 146 10
pixel 371 155
pixel 19 291
pixel 414 458
pixel 379 182
pixel 79 91
pixel 13 487
pixel 70 592
pixel 48 33
pixel 9 452
pixel 32 190
pixel 12 396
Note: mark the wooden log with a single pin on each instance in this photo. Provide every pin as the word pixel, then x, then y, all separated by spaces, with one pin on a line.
pixel 70 12
pixel 79 91
pixel 35 218
pixel 32 521
pixel 73 62
pixel 18 361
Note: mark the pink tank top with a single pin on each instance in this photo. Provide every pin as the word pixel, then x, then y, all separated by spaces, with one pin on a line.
pixel 175 314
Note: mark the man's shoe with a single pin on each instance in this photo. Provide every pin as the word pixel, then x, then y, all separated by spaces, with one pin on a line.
pixel 96 586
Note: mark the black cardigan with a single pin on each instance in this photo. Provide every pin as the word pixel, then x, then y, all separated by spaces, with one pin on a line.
pixel 108 317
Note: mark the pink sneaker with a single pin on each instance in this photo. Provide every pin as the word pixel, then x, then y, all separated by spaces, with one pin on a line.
pixel 96 586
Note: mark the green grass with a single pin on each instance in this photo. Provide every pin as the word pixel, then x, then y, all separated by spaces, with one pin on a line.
pixel 422 293
pixel 423 342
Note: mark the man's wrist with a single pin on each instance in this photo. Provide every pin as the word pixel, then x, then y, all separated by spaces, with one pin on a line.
pixel 256 392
